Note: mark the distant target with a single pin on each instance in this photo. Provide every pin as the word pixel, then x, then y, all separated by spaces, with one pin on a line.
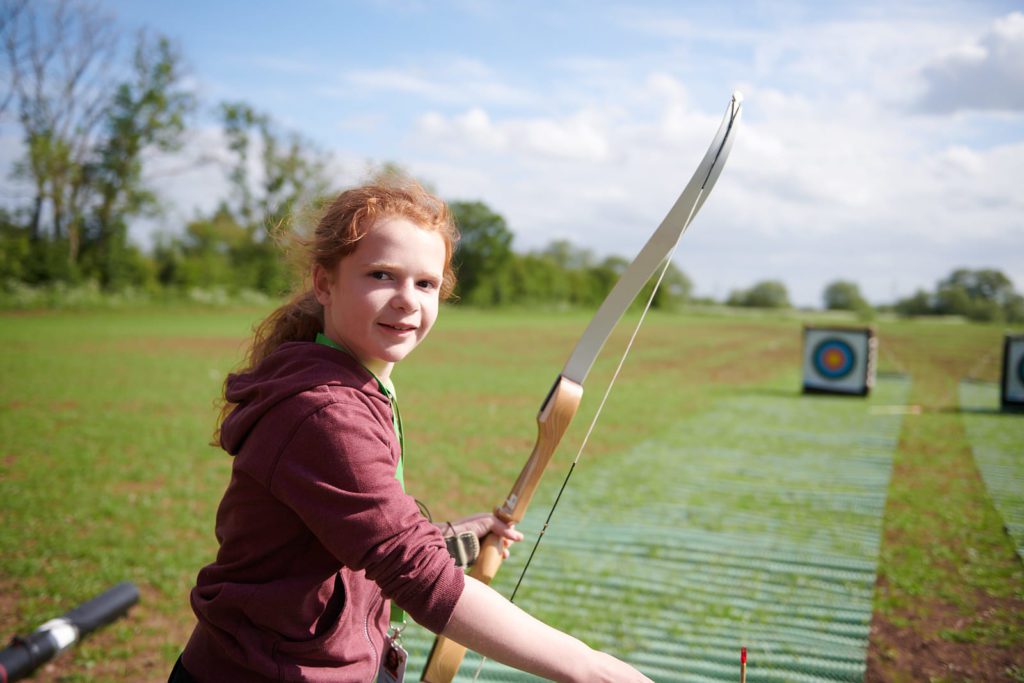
pixel 1011 381
pixel 834 358
pixel 839 360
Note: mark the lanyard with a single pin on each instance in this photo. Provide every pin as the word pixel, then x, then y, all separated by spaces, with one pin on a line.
pixel 388 389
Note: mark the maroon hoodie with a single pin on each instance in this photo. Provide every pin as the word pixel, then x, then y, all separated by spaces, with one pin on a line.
pixel 315 532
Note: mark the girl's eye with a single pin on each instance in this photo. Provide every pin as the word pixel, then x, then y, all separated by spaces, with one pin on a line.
pixel 427 284
pixel 379 275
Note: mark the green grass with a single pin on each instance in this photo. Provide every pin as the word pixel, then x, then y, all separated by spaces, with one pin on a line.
pixel 105 474
pixel 948 571
pixel 754 521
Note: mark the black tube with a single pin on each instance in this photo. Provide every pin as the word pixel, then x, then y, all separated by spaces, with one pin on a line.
pixel 104 608
pixel 25 655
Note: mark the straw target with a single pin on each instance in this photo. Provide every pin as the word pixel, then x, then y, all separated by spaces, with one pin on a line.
pixel 839 360
pixel 1011 390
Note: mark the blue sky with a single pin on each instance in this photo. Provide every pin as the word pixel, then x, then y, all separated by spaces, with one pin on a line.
pixel 882 142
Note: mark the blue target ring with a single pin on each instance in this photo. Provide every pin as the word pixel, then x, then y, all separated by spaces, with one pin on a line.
pixel 833 358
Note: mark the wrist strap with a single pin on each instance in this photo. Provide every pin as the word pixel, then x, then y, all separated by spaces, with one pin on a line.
pixel 464 548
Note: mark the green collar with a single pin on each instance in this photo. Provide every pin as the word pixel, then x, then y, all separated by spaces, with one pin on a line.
pixel 387 387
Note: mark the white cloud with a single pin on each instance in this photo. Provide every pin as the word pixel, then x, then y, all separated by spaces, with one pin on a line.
pixel 817 188
pixel 457 81
pixel 581 136
pixel 984 74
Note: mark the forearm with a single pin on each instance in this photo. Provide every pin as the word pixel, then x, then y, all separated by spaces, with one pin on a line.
pixel 487 623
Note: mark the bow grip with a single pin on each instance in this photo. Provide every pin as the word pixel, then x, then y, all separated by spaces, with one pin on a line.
pixel 553 420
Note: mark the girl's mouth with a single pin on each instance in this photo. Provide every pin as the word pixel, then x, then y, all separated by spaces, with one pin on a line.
pixel 398 327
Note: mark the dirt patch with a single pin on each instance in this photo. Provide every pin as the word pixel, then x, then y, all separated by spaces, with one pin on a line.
pixel 133 488
pixel 740 355
pixel 53 407
pixel 919 652
pixel 161 346
pixel 9 600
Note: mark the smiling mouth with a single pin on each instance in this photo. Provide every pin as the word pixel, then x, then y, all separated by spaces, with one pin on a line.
pixel 398 327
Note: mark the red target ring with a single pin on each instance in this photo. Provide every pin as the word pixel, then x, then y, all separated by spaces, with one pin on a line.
pixel 833 358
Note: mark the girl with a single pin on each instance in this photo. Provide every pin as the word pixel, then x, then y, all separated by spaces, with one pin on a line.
pixel 316 534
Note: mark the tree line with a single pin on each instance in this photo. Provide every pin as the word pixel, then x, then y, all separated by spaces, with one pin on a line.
pixel 90 125
pixel 982 295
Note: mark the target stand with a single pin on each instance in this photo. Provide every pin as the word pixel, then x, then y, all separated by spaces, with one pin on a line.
pixel 839 360
pixel 1011 385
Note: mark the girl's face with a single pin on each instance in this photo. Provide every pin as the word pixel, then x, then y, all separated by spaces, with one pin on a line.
pixel 381 300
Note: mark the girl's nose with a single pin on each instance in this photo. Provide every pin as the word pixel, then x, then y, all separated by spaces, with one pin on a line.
pixel 405 297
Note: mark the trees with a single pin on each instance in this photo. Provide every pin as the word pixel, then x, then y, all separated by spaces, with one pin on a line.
pixel 674 292
pixel 147 112
pixel 764 294
pixel 920 303
pixel 272 174
pixel 491 274
pixel 483 255
pixel 290 173
pixel 85 130
pixel 975 294
pixel 58 62
pixel 290 170
pixel 983 295
pixel 844 295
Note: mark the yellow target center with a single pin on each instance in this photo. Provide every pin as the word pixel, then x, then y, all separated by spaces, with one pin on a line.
pixel 834 359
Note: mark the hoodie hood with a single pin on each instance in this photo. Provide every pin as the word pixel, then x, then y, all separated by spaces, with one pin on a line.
pixel 294 367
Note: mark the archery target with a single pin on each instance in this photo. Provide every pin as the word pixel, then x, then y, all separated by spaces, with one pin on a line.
pixel 1012 385
pixel 839 360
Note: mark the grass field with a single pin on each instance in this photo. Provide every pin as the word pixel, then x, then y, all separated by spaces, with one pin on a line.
pixel 105 474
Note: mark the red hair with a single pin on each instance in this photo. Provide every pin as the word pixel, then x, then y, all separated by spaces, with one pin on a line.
pixel 340 227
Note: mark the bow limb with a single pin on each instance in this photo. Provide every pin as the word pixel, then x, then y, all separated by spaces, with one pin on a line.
pixel 553 420
pixel 564 398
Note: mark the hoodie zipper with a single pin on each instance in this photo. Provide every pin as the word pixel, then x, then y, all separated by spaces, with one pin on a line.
pixel 366 632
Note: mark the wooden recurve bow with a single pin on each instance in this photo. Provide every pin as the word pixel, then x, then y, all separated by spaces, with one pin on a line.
pixel 561 403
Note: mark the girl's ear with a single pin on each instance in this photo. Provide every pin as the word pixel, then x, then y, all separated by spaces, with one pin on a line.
pixel 322 284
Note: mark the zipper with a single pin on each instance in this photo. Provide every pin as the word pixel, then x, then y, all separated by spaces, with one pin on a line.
pixel 366 632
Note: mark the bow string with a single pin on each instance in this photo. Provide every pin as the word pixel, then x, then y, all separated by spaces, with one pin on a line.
pixel 563 400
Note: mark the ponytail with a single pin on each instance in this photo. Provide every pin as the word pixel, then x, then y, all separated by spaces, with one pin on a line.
pixel 300 319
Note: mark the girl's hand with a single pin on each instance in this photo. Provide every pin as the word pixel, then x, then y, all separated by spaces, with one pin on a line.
pixel 607 669
pixel 486 523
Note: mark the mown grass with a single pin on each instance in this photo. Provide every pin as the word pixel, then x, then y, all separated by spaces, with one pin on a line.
pixel 950 596
pixel 105 474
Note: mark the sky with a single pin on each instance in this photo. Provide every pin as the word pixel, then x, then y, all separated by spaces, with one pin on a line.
pixel 881 142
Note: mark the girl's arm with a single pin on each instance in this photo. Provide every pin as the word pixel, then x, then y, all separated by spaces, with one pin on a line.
pixel 487 623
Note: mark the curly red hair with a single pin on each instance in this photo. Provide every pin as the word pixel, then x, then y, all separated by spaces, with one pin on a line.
pixel 342 223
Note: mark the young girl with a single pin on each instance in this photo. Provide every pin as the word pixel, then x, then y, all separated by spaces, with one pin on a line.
pixel 317 536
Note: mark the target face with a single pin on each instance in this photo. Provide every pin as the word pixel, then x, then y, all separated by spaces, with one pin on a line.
pixel 834 358
pixel 1012 385
pixel 839 360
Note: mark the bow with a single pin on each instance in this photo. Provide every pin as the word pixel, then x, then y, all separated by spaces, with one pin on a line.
pixel 562 401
